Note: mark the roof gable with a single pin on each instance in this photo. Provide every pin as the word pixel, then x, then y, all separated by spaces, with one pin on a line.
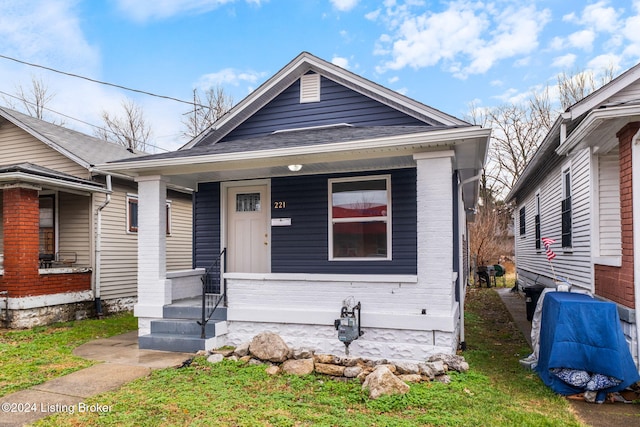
pixel 284 83
pixel 83 149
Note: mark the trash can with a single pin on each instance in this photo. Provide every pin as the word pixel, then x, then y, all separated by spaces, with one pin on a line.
pixel 531 297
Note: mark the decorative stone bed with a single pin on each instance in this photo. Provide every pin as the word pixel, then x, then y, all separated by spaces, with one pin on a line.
pixel 380 377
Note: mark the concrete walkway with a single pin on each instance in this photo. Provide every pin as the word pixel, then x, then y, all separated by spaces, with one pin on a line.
pixel 123 362
pixel 594 415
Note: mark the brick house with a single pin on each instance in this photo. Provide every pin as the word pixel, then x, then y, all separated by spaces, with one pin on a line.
pixel 579 190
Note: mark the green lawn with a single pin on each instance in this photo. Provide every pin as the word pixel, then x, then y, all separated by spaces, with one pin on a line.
pixel 495 392
pixel 33 356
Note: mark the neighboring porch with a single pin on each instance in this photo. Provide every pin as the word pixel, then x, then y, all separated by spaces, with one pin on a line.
pixel 45 242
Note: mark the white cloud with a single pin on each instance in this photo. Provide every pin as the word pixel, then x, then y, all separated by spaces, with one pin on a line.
pixel 604 62
pixel 565 61
pixel 344 5
pixel 597 16
pixel 582 39
pixel 340 62
pixel 229 77
pixel 467 37
pixel 142 11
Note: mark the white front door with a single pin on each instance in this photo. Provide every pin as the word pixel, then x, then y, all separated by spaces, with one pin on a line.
pixel 247 229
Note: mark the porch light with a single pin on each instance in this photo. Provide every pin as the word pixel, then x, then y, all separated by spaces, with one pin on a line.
pixel 294 168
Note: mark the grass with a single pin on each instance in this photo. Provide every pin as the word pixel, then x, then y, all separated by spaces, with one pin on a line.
pixel 496 391
pixel 33 356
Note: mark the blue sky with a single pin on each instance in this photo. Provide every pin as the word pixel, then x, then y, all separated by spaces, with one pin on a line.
pixel 445 54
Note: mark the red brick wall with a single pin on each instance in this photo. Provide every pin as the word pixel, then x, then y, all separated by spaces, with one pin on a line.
pixel 616 283
pixel 21 222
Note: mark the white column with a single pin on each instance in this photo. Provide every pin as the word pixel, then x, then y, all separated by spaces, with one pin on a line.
pixel 434 195
pixel 154 289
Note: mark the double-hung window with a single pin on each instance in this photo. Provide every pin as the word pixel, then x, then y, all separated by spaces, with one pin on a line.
pixel 566 208
pixel 360 218
pixel 522 223
pixel 537 222
pixel 132 215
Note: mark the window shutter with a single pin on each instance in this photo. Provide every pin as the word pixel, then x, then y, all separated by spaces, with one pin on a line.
pixel 310 88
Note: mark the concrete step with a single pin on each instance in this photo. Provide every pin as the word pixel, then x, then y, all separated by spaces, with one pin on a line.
pixel 182 327
pixel 191 310
pixel 177 343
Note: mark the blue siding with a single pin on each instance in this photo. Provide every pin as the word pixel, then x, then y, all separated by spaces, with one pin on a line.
pixel 303 246
pixel 338 104
pixel 206 224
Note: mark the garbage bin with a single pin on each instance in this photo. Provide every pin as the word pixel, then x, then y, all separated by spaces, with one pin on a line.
pixel 531 297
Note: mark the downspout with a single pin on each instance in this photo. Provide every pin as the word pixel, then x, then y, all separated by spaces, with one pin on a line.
pixel 462 278
pixel 98 272
pixel 635 182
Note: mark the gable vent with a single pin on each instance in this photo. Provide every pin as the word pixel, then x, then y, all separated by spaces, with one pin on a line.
pixel 310 88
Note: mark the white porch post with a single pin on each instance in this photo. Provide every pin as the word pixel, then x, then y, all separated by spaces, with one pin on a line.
pixel 435 229
pixel 154 290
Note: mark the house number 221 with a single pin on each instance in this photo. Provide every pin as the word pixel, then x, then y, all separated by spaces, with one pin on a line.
pixel 279 205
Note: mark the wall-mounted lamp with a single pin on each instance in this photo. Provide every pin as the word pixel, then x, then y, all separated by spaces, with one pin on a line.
pixel 294 168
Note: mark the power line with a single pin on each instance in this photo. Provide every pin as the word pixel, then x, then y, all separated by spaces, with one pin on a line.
pixel 78 120
pixel 191 103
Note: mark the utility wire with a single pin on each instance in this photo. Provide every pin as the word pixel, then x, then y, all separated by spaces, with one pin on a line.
pixel 191 103
pixel 80 121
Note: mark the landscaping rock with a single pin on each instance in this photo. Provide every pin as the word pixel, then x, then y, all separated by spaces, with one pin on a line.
pixel 269 346
pixel 444 379
pixel 383 382
pixel 298 366
pixel 215 358
pixel 426 371
pixel 352 371
pixel 242 350
pixel 453 361
pixel 246 359
pixel 352 361
pixel 407 368
pixel 437 367
pixel 273 370
pixel 410 378
pixel 326 359
pixel 303 353
pixel 254 362
pixel 329 369
pixel 224 352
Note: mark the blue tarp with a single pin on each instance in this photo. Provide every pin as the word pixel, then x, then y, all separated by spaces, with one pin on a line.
pixel 581 333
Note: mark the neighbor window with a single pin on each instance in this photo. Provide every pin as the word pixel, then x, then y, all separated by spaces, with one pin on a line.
pixel 523 229
pixel 537 222
pixel 566 208
pixel 360 218
pixel 47 227
pixel 132 215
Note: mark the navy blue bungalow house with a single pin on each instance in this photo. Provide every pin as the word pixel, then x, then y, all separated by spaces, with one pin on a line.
pixel 322 189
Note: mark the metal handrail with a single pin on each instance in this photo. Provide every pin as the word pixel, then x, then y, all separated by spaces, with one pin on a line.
pixel 214 290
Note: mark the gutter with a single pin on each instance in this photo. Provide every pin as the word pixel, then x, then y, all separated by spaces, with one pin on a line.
pixel 98 248
pixel 635 168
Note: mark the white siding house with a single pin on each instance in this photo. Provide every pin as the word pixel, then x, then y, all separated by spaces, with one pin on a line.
pixel 590 155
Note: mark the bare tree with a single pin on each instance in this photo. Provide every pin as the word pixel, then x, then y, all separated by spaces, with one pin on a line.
pixel 129 130
pixel 31 100
pixel 216 104
pixel 575 86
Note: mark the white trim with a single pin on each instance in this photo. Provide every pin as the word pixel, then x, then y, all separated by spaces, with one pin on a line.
pixel 613 261
pixel 564 170
pixel 420 322
pixel 387 218
pixel 24 303
pixel 312 277
pixel 434 155
pixel 417 141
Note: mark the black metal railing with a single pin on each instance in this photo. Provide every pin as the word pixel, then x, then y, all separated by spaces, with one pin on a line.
pixel 213 290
